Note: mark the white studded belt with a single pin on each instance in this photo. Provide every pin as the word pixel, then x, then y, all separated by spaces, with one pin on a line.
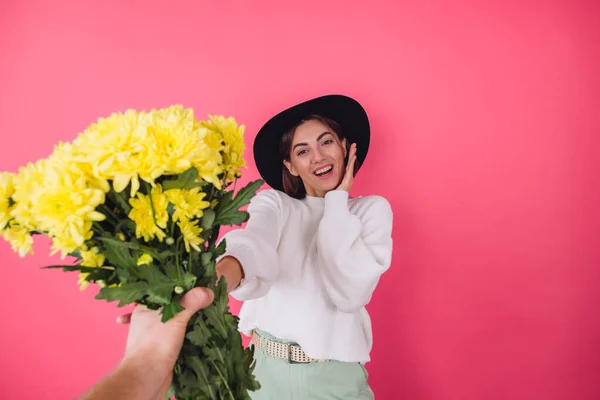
pixel 291 352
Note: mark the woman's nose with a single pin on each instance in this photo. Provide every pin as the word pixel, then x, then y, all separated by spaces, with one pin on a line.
pixel 317 156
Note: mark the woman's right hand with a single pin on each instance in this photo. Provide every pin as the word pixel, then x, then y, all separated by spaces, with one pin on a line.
pixel 348 179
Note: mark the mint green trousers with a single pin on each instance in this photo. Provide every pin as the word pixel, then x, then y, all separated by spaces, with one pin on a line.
pixel 327 380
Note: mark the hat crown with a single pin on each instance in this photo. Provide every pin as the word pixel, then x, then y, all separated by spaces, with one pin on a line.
pixel 344 110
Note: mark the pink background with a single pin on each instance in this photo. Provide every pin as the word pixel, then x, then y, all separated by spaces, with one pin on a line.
pixel 485 140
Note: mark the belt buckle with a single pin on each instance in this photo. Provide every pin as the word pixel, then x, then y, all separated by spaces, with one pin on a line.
pixel 289 354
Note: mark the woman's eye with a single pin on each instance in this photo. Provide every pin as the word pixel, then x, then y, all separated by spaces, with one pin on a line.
pixel 328 141
pixel 303 151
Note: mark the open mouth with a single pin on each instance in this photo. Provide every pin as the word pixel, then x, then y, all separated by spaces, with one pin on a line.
pixel 325 171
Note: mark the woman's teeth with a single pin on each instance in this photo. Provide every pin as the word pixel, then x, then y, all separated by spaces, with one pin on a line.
pixel 323 170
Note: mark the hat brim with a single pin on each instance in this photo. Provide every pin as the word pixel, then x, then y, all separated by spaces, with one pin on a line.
pixel 347 112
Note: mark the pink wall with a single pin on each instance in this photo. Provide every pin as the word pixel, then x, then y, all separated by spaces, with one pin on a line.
pixel 485 139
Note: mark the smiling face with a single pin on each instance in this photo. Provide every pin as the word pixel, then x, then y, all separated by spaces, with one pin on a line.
pixel 317 157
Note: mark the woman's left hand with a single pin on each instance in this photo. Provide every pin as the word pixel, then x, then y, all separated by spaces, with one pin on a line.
pixel 348 179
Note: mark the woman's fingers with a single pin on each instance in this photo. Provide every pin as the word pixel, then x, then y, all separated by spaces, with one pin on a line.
pixel 351 160
pixel 124 319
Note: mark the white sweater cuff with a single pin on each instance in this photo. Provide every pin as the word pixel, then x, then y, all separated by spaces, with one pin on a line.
pixel 257 275
pixel 336 203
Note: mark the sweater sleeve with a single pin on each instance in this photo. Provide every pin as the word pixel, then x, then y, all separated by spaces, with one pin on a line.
pixel 353 253
pixel 255 246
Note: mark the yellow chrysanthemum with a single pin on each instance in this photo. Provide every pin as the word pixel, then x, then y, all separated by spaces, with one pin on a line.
pixel 7 189
pixel 57 202
pixel 66 243
pixel 20 239
pixel 141 214
pixel 114 148
pixel 173 141
pixel 66 156
pixel 145 259
pixel 191 234
pixel 188 203
pixel 207 158
pixel 29 179
pixel 83 284
pixel 92 258
pixel 65 207
pixel 233 141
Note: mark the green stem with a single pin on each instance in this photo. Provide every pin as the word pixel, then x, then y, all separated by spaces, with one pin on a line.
pixel 212 395
pixel 213 237
pixel 224 185
pixel 122 199
pixel 177 258
pixel 107 211
pixel 97 228
pixel 224 380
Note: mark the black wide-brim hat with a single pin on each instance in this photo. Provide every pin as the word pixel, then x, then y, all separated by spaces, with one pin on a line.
pixel 347 112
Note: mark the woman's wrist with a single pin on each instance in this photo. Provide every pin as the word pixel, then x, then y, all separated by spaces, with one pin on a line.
pixel 231 269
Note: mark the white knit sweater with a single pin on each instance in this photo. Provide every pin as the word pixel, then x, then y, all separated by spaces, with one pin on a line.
pixel 310 267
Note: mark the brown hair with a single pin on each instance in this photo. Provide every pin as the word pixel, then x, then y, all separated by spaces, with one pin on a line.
pixel 293 185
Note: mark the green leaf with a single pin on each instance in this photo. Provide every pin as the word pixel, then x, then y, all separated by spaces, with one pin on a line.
pixel 126 275
pixel 200 334
pixel 216 319
pixel 170 393
pixel 237 353
pixel 205 380
pixel 171 210
pixel 189 281
pixel 66 268
pixel 75 253
pixel 117 252
pixel 250 381
pixel 220 249
pixel 106 275
pixel 118 245
pixel 189 380
pixel 208 219
pixel 160 286
pixel 121 199
pixel 127 293
pixel 228 210
pixel 125 225
pixel 94 273
pixel 221 371
pixel 164 255
pixel 171 309
pixel 187 180
pixel 171 270
pixel 221 296
pixel 206 258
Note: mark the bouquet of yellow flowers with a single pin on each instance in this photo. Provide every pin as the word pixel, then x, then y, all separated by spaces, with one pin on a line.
pixel 137 200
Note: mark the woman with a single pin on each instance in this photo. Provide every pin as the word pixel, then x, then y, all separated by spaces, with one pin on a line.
pixel 309 258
